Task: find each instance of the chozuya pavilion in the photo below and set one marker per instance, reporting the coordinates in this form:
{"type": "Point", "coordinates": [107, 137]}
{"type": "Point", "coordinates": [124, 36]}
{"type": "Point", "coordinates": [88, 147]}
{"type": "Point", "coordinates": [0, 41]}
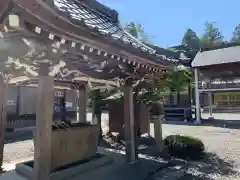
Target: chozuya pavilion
{"type": "Point", "coordinates": [74, 44]}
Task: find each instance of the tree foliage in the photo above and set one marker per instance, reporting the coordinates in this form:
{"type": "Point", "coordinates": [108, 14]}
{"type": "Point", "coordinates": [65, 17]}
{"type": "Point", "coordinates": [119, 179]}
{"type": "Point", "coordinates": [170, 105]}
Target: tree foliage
{"type": "Point", "coordinates": [178, 80]}
{"type": "Point", "coordinates": [190, 39]}
{"type": "Point", "coordinates": [150, 91]}
{"type": "Point", "coordinates": [236, 34]}
{"type": "Point", "coordinates": [212, 36]}
{"type": "Point", "coordinates": [137, 31]}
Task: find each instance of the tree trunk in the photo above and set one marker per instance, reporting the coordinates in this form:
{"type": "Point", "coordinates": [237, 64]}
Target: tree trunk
{"type": "Point", "coordinates": [96, 112]}
{"type": "Point", "coordinates": [97, 118]}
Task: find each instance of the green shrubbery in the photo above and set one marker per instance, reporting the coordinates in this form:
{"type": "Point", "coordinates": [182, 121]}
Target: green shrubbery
{"type": "Point", "coordinates": [184, 147]}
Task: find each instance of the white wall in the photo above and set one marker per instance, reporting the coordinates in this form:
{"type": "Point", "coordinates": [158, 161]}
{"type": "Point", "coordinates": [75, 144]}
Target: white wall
{"type": "Point", "coordinates": [28, 99]}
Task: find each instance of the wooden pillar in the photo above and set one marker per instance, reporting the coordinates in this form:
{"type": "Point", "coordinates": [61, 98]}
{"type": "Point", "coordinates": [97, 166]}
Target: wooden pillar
{"type": "Point", "coordinates": [18, 102]}
{"type": "Point", "coordinates": [94, 109]}
{"type": "Point", "coordinates": [210, 105]}
{"type": "Point", "coordinates": [44, 112]}
{"type": "Point", "coordinates": [82, 104]}
{"type": "Point", "coordinates": [190, 100]}
{"type": "Point", "coordinates": [63, 111]}
{"type": "Point", "coordinates": [136, 107]}
{"type": "Point", "coordinates": [197, 97]}
{"type": "Point", "coordinates": [130, 125]}
{"type": "Point", "coordinates": [3, 117]}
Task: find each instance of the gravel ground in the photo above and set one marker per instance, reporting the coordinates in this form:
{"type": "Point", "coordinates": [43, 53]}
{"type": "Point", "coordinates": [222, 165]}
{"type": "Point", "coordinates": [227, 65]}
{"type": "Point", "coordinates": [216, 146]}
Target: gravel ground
{"type": "Point", "coordinates": [222, 141]}
{"type": "Point", "coordinates": [222, 144]}
{"type": "Point", "coordinates": [17, 151]}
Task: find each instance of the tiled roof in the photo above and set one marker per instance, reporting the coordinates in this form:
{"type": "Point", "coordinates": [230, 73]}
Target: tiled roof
{"type": "Point", "coordinates": [82, 12]}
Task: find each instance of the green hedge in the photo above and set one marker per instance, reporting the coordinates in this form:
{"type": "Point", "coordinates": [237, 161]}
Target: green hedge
{"type": "Point", "coordinates": [184, 147]}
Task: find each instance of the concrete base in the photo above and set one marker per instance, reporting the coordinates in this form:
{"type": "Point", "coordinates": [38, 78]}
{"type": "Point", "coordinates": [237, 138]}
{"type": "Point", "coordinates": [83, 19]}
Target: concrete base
{"type": "Point", "coordinates": [104, 160]}
{"type": "Point", "coordinates": [118, 170]}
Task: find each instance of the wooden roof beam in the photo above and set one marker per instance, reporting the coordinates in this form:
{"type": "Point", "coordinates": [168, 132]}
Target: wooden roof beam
{"type": "Point", "coordinates": [47, 17]}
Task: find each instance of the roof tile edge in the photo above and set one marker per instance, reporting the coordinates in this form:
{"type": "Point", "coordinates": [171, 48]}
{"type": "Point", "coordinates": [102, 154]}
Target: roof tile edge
{"type": "Point", "coordinates": [109, 13]}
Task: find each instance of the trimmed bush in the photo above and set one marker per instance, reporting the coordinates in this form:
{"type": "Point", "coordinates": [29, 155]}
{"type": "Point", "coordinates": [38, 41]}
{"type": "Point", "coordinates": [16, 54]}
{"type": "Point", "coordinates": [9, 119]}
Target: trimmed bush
{"type": "Point", "coordinates": [184, 147]}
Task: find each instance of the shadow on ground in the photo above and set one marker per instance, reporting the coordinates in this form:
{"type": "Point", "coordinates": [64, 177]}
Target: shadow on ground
{"type": "Point", "coordinates": [213, 164]}
{"type": "Point", "coordinates": [230, 124]}
{"type": "Point", "coordinates": [12, 137]}
{"type": "Point", "coordinates": [210, 167]}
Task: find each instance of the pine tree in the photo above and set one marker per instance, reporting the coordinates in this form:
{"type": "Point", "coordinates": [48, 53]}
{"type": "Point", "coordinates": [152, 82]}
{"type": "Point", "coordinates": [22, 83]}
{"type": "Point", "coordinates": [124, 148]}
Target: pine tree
{"type": "Point", "coordinates": [212, 36]}
{"type": "Point", "coordinates": [236, 34]}
{"type": "Point", "coordinates": [191, 39]}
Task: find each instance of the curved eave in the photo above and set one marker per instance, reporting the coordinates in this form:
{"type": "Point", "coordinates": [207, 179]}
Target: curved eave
{"type": "Point", "coordinates": [66, 27]}
{"type": "Point", "coordinates": [76, 48]}
{"type": "Point", "coordinates": [46, 24]}
{"type": "Point", "coordinates": [96, 64]}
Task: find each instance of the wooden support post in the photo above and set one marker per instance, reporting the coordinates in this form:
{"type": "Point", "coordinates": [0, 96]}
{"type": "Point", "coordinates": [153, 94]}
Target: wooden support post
{"type": "Point", "coordinates": [44, 112]}
{"type": "Point", "coordinates": [197, 97]}
{"type": "Point", "coordinates": [130, 125]}
{"type": "Point", "coordinates": [210, 105]}
{"type": "Point", "coordinates": [82, 104]}
{"type": "Point", "coordinates": [190, 100]}
{"type": "Point", "coordinates": [18, 102]}
{"type": "Point", "coordinates": [3, 117]}
{"type": "Point", "coordinates": [94, 109]}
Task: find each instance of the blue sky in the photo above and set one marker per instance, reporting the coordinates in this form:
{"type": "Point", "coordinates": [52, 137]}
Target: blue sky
{"type": "Point", "coordinates": [166, 20]}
